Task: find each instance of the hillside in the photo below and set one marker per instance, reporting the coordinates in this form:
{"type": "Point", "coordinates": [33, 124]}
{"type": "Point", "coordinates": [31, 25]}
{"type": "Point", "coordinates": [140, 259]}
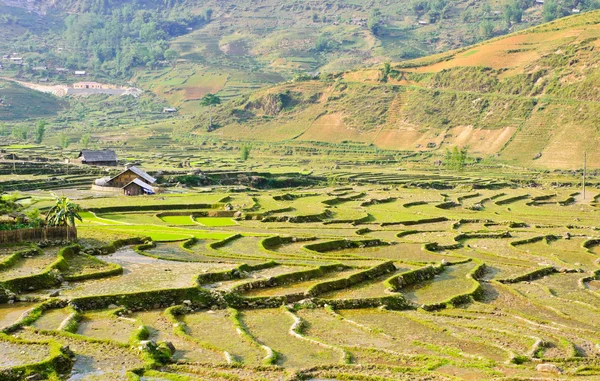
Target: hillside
{"type": "Point", "coordinates": [531, 98]}
{"type": "Point", "coordinates": [18, 102]}
{"type": "Point", "coordinates": [183, 49]}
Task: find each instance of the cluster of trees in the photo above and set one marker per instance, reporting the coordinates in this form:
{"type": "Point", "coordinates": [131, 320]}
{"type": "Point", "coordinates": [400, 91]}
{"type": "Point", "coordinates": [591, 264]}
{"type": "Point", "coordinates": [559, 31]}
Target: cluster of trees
{"type": "Point", "coordinates": [109, 37]}
{"type": "Point", "coordinates": [433, 10]}
{"type": "Point", "coordinates": [23, 133]}
{"type": "Point", "coordinates": [554, 9]}
{"type": "Point", "coordinates": [118, 40]}
{"type": "Point", "coordinates": [324, 43]}
{"type": "Point", "coordinates": [37, 134]}
{"type": "Point", "coordinates": [64, 212]}
{"type": "Point", "coordinates": [456, 158]}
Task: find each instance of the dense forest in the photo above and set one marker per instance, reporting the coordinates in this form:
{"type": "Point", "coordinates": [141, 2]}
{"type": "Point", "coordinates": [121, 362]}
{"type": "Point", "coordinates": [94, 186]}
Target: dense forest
{"type": "Point", "coordinates": [110, 37]}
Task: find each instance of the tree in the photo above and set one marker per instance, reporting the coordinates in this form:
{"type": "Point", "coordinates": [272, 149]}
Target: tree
{"type": "Point", "coordinates": [373, 23]}
{"type": "Point", "coordinates": [210, 100]}
{"type": "Point", "coordinates": [34, 218]}
{"type": "Point", "coordinates": [19, 133]}
{"type": "Point", "coordinates": [550, 11]}
{"type": "Point", "coordinates": [85, 140]}
{"type": "Point", "coordinates": [385, 71]}
{"type": "Point", "coordinates": [64, 140]}
{"type": "Point", "coordinates": [245, 150]}
{"type": "Point", "coordinates": [456, 159]}
{"type": "Point", "coordinates": [40, 130]}
{"type": "Point", "coordinates": [508, 15]}
{"type": "Point", "coordinates": [208, 14]}
{"type": "Point", "coordinates": [323, 43]}
{"type": "Point", "coordinates": [486, 29]}
{"type": "Point", "coordinates": [63, 213]}
{"type": "Point", "coordinates": [171, 55]}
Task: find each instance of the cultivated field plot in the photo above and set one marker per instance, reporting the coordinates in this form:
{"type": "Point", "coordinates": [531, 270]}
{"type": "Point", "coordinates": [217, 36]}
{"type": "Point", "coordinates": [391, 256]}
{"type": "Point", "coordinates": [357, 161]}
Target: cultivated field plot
{"type": "Point", "coordinates": [350, 283]}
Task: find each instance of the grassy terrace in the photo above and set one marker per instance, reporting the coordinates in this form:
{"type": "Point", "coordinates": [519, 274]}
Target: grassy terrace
{"type": "Point", "coordinates": [433, 284]}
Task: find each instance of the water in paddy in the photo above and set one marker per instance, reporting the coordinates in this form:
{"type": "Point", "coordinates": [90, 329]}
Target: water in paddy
{"type": "Point", "coordinates": [295, 249]}
{"type": "Point", "coordinates": [15, 354]}
{"type": "Point", "coordinates": [51, 319]}
{"type": "Point", "coordinates": [30, 266]}
{"type": "Point", "coordinates": [202, 327]}
{"type": "Point", "coordinates": [10, 313]}
{"type": "Point", "coordinates": [141, 273]}
{"type": "Point", "coordinates": [409, 252]}
{"type": "Point", "coordinates": [541, 252]}
{"type": "Point", "coordinates": [572, 252]}
{"type": "Point", "coordinates": [298, 287]}
{"type": "Point", "coordinates": [172, 251]}
{"type": "Point", "coordinates": [255, 275]}
{"type": "Point", "coordinates": [161, 329]}
{"type": "Point", "coordinates": [270, 327]}
{"type": "Point", "coordinates": [245, 247]}
{"type": "Point", "coordinates": [370, 289]}
{"type": "Point", "coordinates": [103, 325]}
{"type": "Point", "coordinates": [384, 235]}
{"type": "Point", "coordinates": [93, 361]}
{"type": "Point", "coordinates": [441, 237]}
{"type": "Point", "coordinates": [451, 282]}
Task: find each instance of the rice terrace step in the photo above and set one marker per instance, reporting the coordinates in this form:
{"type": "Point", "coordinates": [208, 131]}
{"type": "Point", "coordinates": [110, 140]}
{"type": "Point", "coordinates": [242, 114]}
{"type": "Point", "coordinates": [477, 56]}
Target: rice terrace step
{"type": "Point", "coordinates": [299, 190]}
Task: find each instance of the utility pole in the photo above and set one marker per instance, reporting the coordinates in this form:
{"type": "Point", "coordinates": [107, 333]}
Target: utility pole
{"type": "Point", "coordinates": [584, 172]}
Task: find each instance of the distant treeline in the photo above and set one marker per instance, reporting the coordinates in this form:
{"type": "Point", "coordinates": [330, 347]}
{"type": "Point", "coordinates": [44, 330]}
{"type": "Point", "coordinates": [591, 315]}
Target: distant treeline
{"type": "Point", "coordinates": [112, 37]}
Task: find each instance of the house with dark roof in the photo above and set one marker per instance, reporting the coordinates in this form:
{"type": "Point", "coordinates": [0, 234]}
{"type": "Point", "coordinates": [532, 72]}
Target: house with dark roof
{"type": "Point", "coordinates": [103, 157]}
{"type": "Point", "coordinates": [137, 187]}
{"type": "Point", "coordinates": [128, 176]}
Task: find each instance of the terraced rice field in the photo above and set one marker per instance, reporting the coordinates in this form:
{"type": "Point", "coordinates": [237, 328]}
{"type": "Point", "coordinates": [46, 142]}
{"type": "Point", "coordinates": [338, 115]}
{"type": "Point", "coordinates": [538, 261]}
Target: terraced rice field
{"type": "Point", "coordinates": [303, 287]}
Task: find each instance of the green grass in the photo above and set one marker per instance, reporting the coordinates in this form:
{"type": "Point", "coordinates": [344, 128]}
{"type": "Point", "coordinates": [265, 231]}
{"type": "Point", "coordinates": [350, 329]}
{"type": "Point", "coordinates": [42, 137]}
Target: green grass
{"type": "Point", "coordinates": [215, 221]}
{"type": "Point", "coordinates": [178, 220]}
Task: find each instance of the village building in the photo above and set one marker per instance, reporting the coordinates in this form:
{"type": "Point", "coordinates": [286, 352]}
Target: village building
{"type": "Point", "coordinates": [88, 85]}
{"type": "Point", "coordinates": [169, 109]}
{"type": "Point", "coordinates": [137, 187]}
{"type": "Point", "coordinates": [130, 182]}
{"type": "Point", "coordinates": [128, 176]}
{"type": "Point", "coordinates": [80, 72]}
{"type": "Point", "coordinates": [102, 157]}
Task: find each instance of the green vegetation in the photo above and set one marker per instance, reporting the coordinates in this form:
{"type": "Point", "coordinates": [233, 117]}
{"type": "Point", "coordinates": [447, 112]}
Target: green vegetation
{"type": "Point", "coordinates": [355, 226]}
{"type": "Point", "coordinates": [63, 213]}
{"type": "Point", "coordinates": [451, 280]}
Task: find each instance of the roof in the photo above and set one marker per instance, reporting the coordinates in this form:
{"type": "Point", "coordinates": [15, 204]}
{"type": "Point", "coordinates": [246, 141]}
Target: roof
{"type": "Point", "coordinates": [149, 179]}
{"type": "Point", "coordinates": [92, 156]}
{"type": "Point", "coordinates": [141, 184]}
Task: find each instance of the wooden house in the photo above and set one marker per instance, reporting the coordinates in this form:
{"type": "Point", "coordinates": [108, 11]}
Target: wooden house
{"type": "Point", "coordinates": [102, 157]}
{"type": "Point", "coordinates": [137, 187]}
{"type": "Point", "coordinates": [128, 176]}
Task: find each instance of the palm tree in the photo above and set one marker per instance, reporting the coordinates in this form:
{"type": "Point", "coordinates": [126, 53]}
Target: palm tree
{"type": "Point", "coordinates": [210, 100]}
{"type": "Point", "coordinates": [63, 213]}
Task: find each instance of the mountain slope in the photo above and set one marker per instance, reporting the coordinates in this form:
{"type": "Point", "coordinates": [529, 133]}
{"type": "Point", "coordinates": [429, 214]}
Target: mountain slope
{"type": "Point", "coordinates": [19, 103]}
{"type": "Point", "coordinates": [530, 98]}
{"type": "Point", "coordinates": [115, 40]}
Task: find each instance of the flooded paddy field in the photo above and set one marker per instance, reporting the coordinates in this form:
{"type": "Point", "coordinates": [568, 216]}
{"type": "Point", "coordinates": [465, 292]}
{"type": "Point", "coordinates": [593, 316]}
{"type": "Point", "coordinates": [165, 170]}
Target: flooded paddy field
{"type": "Point", "coordinates": [360, 282]}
